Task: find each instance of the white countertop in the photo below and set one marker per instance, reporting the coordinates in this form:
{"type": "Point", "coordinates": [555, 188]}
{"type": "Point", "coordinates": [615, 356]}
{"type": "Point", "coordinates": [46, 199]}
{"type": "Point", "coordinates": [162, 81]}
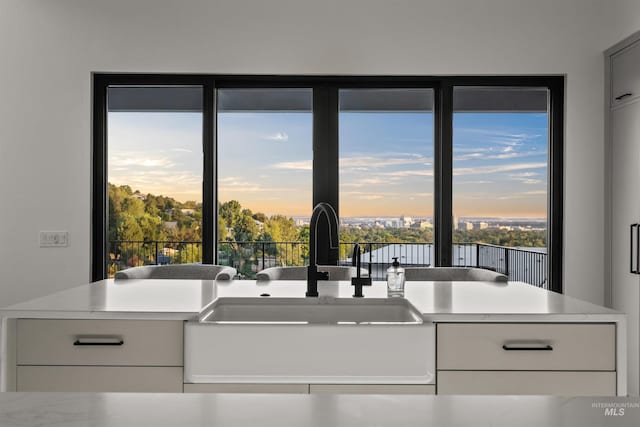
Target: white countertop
{"type": "Point", "coordinates": [184, 299]}
{"type": "Point", "coordinates": [283, 410]}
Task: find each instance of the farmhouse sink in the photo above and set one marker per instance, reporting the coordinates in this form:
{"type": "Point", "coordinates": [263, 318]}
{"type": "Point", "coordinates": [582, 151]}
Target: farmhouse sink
{"type": "Point", "coordinates": [311, 341]}
{"type": "Point", "coordinates": [324, 310]}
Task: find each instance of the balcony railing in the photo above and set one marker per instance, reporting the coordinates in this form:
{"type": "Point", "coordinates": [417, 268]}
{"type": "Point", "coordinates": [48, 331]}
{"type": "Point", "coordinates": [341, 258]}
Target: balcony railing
{"type": "Point", "coordinates": [520, 264]}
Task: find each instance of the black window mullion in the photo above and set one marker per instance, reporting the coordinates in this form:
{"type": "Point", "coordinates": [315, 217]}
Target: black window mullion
{"type": "Point", "coordinates": [100, 219]}
{"type": "Point", "coordinates": [443, 172]}
{"type": "Point", "coordinates": [210, 181]}
{"type": "Point", "coordinates": [555, 208]}
{"type": "Point", "coordinates": [325, 162]}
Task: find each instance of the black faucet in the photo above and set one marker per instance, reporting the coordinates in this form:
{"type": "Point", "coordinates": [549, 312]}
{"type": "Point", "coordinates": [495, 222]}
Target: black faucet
{"type": "Point", "coordinates": [358, 281]}
{"type": "Point", "coordinates": [326, 210]}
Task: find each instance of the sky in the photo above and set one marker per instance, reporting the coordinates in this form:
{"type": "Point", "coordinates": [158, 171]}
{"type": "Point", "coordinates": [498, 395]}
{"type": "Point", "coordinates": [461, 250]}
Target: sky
{"type": "Point", "coordinates": [386, 161]}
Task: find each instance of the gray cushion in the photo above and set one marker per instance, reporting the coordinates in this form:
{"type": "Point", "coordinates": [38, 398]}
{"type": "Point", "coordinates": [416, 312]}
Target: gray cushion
{"type": "Point", "coordinates": [178, 271]}
{"type": "Point", "coordinates": [336, 272]}
{"type": "Point", "coordinates": [453, 274]}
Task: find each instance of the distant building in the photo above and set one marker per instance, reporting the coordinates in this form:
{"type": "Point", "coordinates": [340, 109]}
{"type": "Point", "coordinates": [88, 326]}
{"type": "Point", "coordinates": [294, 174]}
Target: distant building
{"type": "Point", "coordinates": [466, 225]}
{"type": "Point", "coordinates": [171, 225]}
{"type": "Point", "coordinates": [425, 225]}
{"type": "Point", "coordinates": [483, 225]}
{"type": "Point", "coordinates": [455, 222]}
{"type": "Point", "coordinates": [406, 221]}
{"type": "Point", "coordinates": [188, 211]}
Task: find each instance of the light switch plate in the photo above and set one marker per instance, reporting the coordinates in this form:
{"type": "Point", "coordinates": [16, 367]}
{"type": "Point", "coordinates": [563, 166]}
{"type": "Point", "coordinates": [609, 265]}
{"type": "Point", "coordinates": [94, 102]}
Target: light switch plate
{"type": "Point", "coordinates": [54, 239]}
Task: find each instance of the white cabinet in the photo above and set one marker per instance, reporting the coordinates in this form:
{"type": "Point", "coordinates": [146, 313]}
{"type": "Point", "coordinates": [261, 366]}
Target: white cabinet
{"type": "Point", "coordinates": [526, 358]}
{"type": "Point", "coordinates": [99, 342]}
{"type": "Point", "coordinates": [372, 389]}
{"type": "Point", "coordinates": [562, 383]}
{"type": "Point", "coordinates": [625, 75]}
{"type": "Point", "coordinates": [137, 379]}
{"type": "Point", "coordinates": [624, 167]}
{"type": "Point", "coordinates": [246, 388]}
{"type": "Point", "coordinates": [99, 355]}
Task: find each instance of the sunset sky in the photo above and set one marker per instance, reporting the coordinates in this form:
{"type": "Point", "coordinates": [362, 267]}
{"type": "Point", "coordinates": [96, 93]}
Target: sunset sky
{"type": "Point", "coordinates": [386, 161]}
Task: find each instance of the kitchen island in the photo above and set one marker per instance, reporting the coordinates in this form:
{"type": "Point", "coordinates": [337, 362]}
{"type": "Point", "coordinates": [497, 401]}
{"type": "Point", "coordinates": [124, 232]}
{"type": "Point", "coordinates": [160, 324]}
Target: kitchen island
{"type": "Point", "coordinates": [481, 329]}
{"type": "Point", "coordinates": [231, 410]}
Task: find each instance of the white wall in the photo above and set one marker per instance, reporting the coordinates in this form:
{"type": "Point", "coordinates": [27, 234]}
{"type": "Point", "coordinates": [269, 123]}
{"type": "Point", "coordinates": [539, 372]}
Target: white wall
{"type": "Point", "coordinates": [48, 50]}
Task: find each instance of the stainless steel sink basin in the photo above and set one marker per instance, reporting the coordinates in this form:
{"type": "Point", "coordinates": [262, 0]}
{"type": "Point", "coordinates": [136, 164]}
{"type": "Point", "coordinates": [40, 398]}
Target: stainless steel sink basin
{"type": "Point", "coordinates": [324, 310]}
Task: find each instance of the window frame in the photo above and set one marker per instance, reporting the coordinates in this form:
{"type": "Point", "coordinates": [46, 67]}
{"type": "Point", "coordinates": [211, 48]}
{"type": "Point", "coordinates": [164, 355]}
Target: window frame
{"type": "Point", "coordinates": [325, 149]}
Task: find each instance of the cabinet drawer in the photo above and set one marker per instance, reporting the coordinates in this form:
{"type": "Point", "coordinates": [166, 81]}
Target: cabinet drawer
{"type": "Point", "coordinates": [527, 382]}
{"type": "Point", "coordinates": [97, 342]}
{"type": "Point", "coordinates": [624, 75]}
{"type": "Point", "coordinates": [246, 388]}
{"type": "Point", "coordinates": [99, 379]}
{"type": "Point", "coordinates": [526, 346]}
{"type": "Point", "coordinates": [372, 389]}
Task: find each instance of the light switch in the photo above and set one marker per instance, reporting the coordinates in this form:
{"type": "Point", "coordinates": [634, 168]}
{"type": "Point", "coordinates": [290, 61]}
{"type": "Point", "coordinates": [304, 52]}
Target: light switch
{"type": "Point", "coordinates": [54, 239]}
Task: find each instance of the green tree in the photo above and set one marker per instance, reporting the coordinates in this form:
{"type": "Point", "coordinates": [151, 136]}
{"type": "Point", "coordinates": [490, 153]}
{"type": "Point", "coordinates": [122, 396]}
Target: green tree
{"type": "Point", "coordinates": [230, 212]}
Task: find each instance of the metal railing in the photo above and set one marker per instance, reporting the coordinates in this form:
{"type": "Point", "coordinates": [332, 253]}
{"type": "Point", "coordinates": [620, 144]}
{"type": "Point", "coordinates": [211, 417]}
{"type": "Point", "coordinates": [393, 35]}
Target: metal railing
{"type": "Point", "coordinates": [520, 264]}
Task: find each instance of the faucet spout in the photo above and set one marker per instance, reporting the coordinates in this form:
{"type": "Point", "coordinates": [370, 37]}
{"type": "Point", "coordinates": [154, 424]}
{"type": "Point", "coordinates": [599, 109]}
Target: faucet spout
{"type": "Point", "coordinates": [355, 258]}
{"type": "Point", "coordinates": [321, 210]}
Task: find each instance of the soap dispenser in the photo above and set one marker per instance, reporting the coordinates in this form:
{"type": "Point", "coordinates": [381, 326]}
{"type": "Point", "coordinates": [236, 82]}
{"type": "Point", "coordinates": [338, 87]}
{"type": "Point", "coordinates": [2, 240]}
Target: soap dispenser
{"type": "Point", "coordinates": [395, 279]}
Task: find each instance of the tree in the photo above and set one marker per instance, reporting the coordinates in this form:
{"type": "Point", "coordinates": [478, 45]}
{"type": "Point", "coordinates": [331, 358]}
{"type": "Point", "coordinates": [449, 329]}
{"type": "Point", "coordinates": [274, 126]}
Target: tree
{"type": "Point", "coordinates": [128, 228]}
{"type": "Point", "coordinates": [230, 212]}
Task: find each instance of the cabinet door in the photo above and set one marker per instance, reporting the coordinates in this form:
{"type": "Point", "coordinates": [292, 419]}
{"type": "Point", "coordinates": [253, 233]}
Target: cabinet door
{"type": "Point", "coordinates": [625, 66]}
{"type": "Point", "coordinates": [136, 379]}
{"type": "Point", "coordinates": [246, 388]}
{"type": "Point", "coordinates": [99, 342]}
{"type": "Point", "coordinates": [527, 382]}
{"type": "Point", "coordinates": [527, 346]}
{"type": "Point", "coordinates": [625, 183]}
{"type": "Point", "coordinates": [372, 389]}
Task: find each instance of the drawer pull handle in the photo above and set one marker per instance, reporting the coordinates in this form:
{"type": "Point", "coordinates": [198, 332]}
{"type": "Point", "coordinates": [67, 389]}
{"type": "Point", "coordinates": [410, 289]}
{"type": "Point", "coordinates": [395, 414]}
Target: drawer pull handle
{"type": "Point", "coordinates": [529, 347]}
{"type": "Point", "coordinates": [624, 95]}
{"type": "Point", "coordinates": [98, 341]}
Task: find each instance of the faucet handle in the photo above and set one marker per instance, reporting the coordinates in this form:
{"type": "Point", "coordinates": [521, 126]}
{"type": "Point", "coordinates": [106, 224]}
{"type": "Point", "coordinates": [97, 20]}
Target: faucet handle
{"type": "Point", "coordinates": [359, 282]}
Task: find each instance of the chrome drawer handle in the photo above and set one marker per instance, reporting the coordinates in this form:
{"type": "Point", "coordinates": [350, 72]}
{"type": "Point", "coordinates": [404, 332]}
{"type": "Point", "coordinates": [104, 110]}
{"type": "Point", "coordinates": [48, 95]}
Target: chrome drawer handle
{"type": "Point", "coordinates": [527, 347]}
{"type": "Point", "coordinates": [98, 341]}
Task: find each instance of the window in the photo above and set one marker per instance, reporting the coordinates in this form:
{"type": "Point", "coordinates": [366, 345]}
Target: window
{"type": "Point", "coordinates": [438, 171]}
{"type": "Point", "coordinates": [386, 175]}
{"type": "Point", "coordinates": [500, 180]}
{"type": "Point", "coordinates": [264, 177]}
{"type": "Point", "coordinates": [154, 175]}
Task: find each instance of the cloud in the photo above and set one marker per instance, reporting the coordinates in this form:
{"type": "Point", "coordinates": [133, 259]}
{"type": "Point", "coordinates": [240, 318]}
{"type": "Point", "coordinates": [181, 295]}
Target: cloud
{"type": "Point", "coordinates": [278, 136]}
{"type": "Point", "coordinates": [501, 136]}
{"type": "Point", "coordinates": [361, 163]}
{"type": "Point", "coordinates": [406, 173]}
{"type": "Point", "coordinates": [364, 182]}
{"type": "Point", "coordinates": [506, 153]}
{"type": "Point", "coordinates": [237, 184]}
{"type": "Point", "coordinates": [126, 160]}
{"type": "Point", "coordinates": [495, 169]}
{"type": "Point", "coordinates": [181, 150]}
{"type": "Point", "coordinates": [473, 182]}
{"type": "Point", "coordinates": [384, 160]}
{"type": "Point", "coordinates": [303, 165]}
{"type": "Point", "coordinates": [526, 178]}
{"type": "Point", "coordinates": [524, 174]}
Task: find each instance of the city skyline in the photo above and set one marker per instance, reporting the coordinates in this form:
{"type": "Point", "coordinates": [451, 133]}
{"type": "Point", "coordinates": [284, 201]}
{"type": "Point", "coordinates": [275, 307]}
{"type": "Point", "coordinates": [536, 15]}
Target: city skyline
{"type": "Point", "coordinates": [386, 161]}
